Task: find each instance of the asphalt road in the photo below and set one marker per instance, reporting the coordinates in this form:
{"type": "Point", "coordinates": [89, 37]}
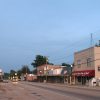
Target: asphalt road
{"type": "Point", "coordinates": [41, 91]}
{"type": "Point", "coordinates": [76, 93]}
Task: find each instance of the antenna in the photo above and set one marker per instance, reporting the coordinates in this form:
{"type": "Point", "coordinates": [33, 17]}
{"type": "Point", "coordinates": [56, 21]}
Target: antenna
{"type": "Point", "coordinates": [91, 42]}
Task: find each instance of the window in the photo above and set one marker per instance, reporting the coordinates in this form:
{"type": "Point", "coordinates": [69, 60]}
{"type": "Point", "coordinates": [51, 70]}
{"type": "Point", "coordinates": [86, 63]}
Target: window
{"type": "Point", "coordinates": [99, 68]}
{"type": "Point", "coordinates": [89, 60]}
{"type": "Point", "coordinates": [79, 63]}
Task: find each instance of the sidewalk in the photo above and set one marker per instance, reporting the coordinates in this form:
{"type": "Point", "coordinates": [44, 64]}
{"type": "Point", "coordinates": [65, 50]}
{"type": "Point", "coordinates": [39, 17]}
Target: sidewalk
{"type": "Point", "coordinates": [76, 86]}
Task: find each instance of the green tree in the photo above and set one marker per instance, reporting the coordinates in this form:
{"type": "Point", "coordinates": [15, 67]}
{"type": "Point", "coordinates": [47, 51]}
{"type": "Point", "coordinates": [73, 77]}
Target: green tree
{"type": "Point", "coordinates": [12, 72]}
{"type": "Point", "coordinates": [34, 71]}
{"type": "Point", "coordinates": [6, 75]}
{"type": "Point", "coordinates": [25, 69]}
{"type": "Point", "coordinates": [39, 60]}
{"type": "Point", "coordinates": [19, 72]}
{"type": "Point", "coordinates": [65, 64]}
{"type": "Point", "coordinates": [68, 67]}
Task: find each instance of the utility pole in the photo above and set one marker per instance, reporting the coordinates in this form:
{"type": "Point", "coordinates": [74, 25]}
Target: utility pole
{"type": "Point", "coordinates": [26, 72]}
{"type": "Point", "coordinates": [46, 69]}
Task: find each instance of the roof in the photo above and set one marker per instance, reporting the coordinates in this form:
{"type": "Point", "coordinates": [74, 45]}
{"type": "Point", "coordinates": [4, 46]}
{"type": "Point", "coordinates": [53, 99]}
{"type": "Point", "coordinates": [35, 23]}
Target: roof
{"type": "Point", "coordinates": [52, 65]}
{"type": "Point", "coordinates": [84, 50]}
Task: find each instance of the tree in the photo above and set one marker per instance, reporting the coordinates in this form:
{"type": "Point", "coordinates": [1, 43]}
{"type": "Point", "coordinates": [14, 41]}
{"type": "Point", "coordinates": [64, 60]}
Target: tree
{"type": "Point", "coordinates": [39, 60]}
{"type": "Point", "coordinates": [35, 71]}
{"type": "Point", "coordinates": [19, 72]}
{"type": "Point", "coordinates": [25, 69]}
{"type": "Point", "coordinates": [68, 67]}
{"type": "Point", "coordinates": [12, 72]}
{"type": "Point", "coordinates": [6, 75]}
{"type": "Point", "coordinates": [65, 64]}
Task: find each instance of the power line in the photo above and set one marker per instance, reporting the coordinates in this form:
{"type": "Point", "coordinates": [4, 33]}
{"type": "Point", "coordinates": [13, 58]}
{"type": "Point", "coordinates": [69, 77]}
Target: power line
{"type": "Point", "coordinates": [73, 46]}
{"type": "Point", "coordinates": [64, 57]}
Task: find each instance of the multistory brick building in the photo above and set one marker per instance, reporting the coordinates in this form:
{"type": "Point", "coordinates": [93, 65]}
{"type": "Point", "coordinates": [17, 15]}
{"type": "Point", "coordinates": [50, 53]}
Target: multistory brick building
{"type": "Point", "coordinates": [86, 65]}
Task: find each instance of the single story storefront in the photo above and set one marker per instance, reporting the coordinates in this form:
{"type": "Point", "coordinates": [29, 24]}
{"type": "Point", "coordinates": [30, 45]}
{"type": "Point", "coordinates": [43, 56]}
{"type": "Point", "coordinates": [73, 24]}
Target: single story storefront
{"type": "Point", "coordinates": [82, 77]}
{"type": "Point", "coordinates": [54, 78]}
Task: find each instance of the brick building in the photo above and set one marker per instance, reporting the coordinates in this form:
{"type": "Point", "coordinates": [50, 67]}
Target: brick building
{"type": "Point", "coordinates": [86, 65]}
{"type": "Point", "coordinates": [52, 73]}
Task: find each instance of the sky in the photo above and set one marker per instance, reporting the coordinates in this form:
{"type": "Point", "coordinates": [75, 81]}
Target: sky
{"type": "Point", "coordinates": [52, 28]}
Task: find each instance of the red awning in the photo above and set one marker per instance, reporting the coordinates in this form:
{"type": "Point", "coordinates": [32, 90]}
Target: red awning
{"type": "Point", "coordinates": [84, 73]}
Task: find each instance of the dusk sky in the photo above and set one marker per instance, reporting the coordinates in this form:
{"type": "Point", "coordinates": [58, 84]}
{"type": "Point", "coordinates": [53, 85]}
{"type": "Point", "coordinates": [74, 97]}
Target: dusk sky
{"type": "Point", "coordinates": [53, 28]}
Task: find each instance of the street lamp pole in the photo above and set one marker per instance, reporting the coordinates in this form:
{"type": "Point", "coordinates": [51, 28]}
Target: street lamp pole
{"type": "Point", "coordinates": [71, 76]}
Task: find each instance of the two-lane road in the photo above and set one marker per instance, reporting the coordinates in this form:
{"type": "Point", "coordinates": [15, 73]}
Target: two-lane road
{"type": "Point", "coordinates": [73, 93]}
{"type": "Point", "coordinates": [41, 91]}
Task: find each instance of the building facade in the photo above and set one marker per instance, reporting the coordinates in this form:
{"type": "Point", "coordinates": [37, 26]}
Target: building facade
{"type": "Point", "coordinates": [31, 77]}
{"type": "Point", "coordinates": [1, 75]}
{"type": "Point", "coordinates": [86, 65]}
{"type": "Point", "coordinates": [52, 73]}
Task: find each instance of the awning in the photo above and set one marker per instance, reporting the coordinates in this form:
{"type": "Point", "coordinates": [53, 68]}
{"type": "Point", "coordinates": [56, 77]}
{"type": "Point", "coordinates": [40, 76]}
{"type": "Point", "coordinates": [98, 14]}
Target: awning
{"type": "Point", "coordinates": [84, 73]}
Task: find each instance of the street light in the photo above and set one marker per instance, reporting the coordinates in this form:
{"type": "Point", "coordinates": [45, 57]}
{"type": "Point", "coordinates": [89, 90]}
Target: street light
{"type": "Point", "coordinates": [15, 74]}
{"type": "Point", "coordinates": [71, 75]}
